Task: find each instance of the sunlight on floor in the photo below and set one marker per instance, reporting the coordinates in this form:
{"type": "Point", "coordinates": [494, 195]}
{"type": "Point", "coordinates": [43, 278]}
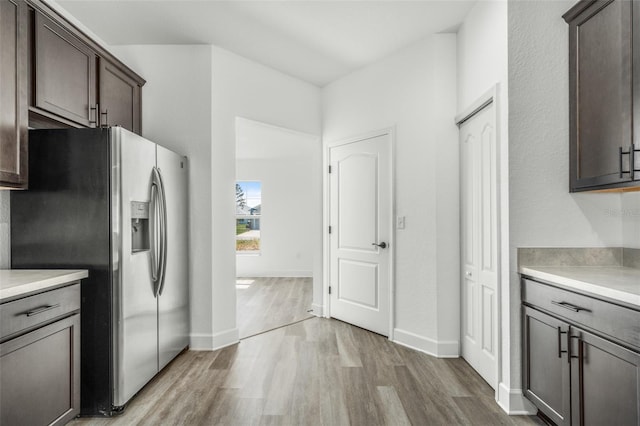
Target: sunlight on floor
{"type": "Point", "coordinates": [243, 284]}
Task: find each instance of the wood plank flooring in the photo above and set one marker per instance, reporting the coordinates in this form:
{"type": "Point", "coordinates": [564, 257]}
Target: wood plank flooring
{"type": "Point", "coordinates": [267, 303]}
{"type": "Point", "coordinates": [315, 372]}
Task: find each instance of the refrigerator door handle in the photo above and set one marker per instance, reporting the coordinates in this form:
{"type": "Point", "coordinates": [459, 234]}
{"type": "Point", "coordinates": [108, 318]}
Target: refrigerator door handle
{"type": "Point", "coordinates": [163, 233]}
{"type": "Point", "coordinates": [156, 226]}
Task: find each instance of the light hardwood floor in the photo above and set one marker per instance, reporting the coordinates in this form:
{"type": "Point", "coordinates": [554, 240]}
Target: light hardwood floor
{"type": "Point", "coordinates": [267, 303]}
{"type": "Point", "coordinates": [315, 372]}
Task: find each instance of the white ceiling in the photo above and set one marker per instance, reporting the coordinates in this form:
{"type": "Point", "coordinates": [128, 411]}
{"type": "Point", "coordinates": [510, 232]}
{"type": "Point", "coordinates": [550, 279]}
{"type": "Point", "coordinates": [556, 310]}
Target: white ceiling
{"type": "Point", "coordinates": [315, 40]}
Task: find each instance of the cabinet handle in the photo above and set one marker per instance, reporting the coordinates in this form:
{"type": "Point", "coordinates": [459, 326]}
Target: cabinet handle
{"type": "Point", "coordinates": [631, 153]}
{"type": "Point", "coordinates": [41, 310]}
{"type": "Point", "coordinates": [569, 306]}
{"type": "Point", "coordinates": [95, 110]}
{"type": "Point", "coordinates": [106, 118]}
{"type": "Point", "coordinates": [560, 351]}
{"type": "Point", "coordinates": [632, 161]}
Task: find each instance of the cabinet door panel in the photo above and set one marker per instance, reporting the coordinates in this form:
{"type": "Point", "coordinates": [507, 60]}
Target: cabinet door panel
{"type": "Point", "coordinates": [545, 365]}
{"type": "Point", "coordinates": [605, 382]}
{"type": "Point", "coordinates": [39, 375]}
{"type": "Point", "coordinates": [601, 93]}
{"type": "Point", "coordinates": [13, 94]}
{"type": "Point", "coordinates": [119, 98]}
{"type": "Point", "coordinates": [65, 71]}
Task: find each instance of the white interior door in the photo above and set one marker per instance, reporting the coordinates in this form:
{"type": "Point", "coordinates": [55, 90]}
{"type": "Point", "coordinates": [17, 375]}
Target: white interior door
{"type": "Point", "coordinates": [479, 234]}
{"type": "Point", "coordinates": [361, 228]}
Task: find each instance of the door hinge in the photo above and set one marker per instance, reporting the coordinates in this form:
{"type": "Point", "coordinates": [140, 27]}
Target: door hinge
{"type": "Point", "coordinates": [329, 168]}
{"type": "Point", "coordinates": [329, 289]}
{"type": "Point", "coordinates": [329, 229]}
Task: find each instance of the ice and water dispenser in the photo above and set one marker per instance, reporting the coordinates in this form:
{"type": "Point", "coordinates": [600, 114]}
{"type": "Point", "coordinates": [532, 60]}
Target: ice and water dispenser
{"type": "Point", "coordinates": [139, 226]}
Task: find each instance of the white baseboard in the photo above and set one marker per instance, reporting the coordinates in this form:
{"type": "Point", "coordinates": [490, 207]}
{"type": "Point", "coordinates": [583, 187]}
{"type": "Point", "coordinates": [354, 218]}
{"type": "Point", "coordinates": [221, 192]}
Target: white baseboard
{"type": "Point", "coordinates": [275, 274]}
{"type": "Point", "coordinates": [213, 342]}
{"type": "Point", "coordinates": [444, 349]}
{"type": "Point", "coordinates": [514, 403]}
{"type": "Point", "coordinates": [318, 310]}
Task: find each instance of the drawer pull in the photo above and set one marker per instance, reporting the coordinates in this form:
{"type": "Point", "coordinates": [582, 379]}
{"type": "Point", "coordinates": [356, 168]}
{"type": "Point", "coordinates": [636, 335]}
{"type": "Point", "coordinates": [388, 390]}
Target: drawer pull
{"type": "Point", "coordinates": [569, 306]}
{"type": "Point", "coordinates": [41, 310]}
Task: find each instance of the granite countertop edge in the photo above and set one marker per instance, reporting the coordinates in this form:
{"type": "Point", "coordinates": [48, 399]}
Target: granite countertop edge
{"type": "Point", "coordinates": [616, 283]}
{"type": "Point", "coordinates": [18, 283]}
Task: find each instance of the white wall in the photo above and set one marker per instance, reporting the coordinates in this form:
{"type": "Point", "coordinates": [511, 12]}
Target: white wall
{"type": "Point", "coordinates": [242, 88]}
{"type": "Point", "coordinates": [483, 63]}
{"type": "Point", "coordinates": [286, 248]}
{"type": "Point", "coordinates": [543, 212]}
{"type": "Point", "coordinates": [176, 113]}
{"type": "Point", "coordinates": [414, 91]}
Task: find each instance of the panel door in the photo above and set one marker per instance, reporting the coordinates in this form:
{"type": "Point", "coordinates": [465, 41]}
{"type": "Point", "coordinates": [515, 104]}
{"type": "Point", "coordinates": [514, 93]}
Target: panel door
{"type": "Point", "coordinates": [479, 239]}
{"type": "Point", "coordinates": [65, 70]}
{"type": "Point", "coordinates": [40, 375]}
{"type": "Point", "coordinates": [173, 301]}
{"type": "Point", "coordinates": [605, 382]}
{"type": "Point", "coordinates": [13, 94]}
{"type": "Point", "coordinates": [601, 94]}
{"type": "Point", "coordinates": [545, 365]}
{"type": "Point", "coordinates": [119, 98]}
{"type": "Point", "coordinates": [136, 343]}
{"type": "Point", "coordinates": [361, 215]}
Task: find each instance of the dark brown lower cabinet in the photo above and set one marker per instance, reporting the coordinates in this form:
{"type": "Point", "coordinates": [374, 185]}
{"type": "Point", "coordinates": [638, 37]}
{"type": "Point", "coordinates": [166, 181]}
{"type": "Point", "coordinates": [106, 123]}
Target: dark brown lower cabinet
{"type": "Point", "coordinates": [605, 381]}
{"type": "Point", "coordinates": [547, 370]}
{"type": "Point", "coordinates": [40, 358]}
{"type": "Point", "coordinates": [37, 374]}
{"type": "Point", "coordinates": [577, 376]}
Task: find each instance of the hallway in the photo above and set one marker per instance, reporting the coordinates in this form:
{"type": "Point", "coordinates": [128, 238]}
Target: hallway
{"type": "Point", "coordinates": [267, 303]}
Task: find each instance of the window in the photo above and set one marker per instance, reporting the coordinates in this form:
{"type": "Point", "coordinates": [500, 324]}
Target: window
{"type": "Point", "coordinates": [248, 211]}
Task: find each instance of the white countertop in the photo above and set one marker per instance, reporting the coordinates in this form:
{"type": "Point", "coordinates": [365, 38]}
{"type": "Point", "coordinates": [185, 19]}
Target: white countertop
{"type": "Point", "coordinates": [16, 283]}
{"type": "Point", "coordinates": [617, 283]}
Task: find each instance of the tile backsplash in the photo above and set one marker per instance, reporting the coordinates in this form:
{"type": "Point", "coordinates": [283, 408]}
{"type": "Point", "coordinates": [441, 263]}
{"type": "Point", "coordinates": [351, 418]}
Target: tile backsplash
{"type": "Point", "coordinates": [579, 256]}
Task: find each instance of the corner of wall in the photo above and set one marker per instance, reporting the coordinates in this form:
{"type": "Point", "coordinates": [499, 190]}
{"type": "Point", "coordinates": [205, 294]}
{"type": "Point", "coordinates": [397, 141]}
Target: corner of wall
{"type": "Point", "coordinates": [513, 402]}
{"type": "Point", "coordinates": [439, 349]}
{"type": "Point", "coordinates": [213, 342]}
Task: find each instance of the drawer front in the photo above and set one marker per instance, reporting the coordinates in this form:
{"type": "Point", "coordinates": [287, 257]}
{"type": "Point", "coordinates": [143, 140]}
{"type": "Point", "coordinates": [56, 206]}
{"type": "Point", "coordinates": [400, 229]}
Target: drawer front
{"type": "Point", "coordinates": [25, 313]}
{"type": "Point", "coordinates": [616, 321]}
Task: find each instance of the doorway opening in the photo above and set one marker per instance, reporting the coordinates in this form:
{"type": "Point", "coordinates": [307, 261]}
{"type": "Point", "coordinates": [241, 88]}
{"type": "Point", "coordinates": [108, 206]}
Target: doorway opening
{"type": "Point", "coordinates": [278, 221]}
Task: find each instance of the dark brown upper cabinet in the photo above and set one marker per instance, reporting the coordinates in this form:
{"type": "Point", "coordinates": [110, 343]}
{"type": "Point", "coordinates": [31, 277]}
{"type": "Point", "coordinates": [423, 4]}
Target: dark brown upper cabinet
{"type": "Point", "coordinates": [604, 95]}
{"type": "Point", "coordinates": [13, 94]}
{"type": "Point", "coordinates": [119, 97]}
{"type": "Point", "coordinates": [74, 81]}
{"type": "Point", "coordinates": [65, 74]}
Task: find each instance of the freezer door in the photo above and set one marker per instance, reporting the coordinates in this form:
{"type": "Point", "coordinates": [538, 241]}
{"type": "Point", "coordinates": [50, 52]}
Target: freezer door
{"type": "Point", "coordinates": [173, 298]}
{"type": "Point", "coordinates": [135, 340]}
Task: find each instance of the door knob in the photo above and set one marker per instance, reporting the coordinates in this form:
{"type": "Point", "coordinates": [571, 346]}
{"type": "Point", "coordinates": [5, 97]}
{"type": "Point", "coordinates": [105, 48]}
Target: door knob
{"type": "Point", "coordinates": [468, 273]}
{"type": "Point", "coordinates": [381, 245]}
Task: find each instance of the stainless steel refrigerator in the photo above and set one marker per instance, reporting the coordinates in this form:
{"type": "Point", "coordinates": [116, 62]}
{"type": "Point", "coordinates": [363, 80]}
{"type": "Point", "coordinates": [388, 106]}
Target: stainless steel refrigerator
{"type": "Point", "coordinates": [112, 202]}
